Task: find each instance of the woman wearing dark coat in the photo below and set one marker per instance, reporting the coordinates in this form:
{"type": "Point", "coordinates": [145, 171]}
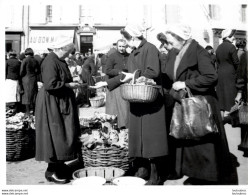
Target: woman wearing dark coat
{"type": "Point", "coordinates": [115, 104]}
{"type": "Point", "coordinates": [12, 76]}
{"type": "Point", "coordinates": [227, 60]}
{"type": "Point", "coordinates": [206, 161]}
{"type": "Point", "coordinates": [30, 69]}
{"type": "Point", "coordinates": [56, 116]}
{"type": "Point", "coordinates": [147, 124]}
{"type": "Point", "coordinates": [88, 71]}
{"type": "Point", "coordinates": [243, 94]}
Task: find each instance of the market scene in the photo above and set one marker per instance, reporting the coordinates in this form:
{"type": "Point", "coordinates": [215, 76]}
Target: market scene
{"type": "Point", "coordinates": [126, 94]}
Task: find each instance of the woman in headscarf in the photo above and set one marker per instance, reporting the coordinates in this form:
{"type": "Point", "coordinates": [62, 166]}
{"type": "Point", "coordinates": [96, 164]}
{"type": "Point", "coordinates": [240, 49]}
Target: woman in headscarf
{"type": "Point", "coordinates": [228, 61]}
{"type": "Point", "coordinates": [206, 161]}
{"type": "Point", "coordinates": [56, 116]}
{"type": "Point", "coordinates": [147, 125]}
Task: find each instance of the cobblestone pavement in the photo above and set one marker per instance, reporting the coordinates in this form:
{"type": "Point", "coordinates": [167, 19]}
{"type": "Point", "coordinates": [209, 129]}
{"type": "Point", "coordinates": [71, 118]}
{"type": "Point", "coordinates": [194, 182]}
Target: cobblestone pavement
{"type": "Point", "coordinates": [31, 172]}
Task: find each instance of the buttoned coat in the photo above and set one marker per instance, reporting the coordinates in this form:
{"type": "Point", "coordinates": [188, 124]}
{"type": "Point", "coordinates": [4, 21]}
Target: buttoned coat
{"type": "Point", "coordinates": [228, 61]}
{"type": "Point", "coordinates": [147, 121]}
{"type": "Point", "coordinates": [56, 116]}
{"type": "Point", "coordinates": [209, 158]}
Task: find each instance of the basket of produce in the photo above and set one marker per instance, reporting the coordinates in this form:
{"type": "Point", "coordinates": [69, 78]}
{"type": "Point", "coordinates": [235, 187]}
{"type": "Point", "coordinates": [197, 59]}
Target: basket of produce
{"type": "Point", "coordinates": [142, 90]}
{"type": "Point", "coordinates": [20, 137]}
{"type": "Point", "coordinates": [97, 101]}
{"type": "Point", "coordinates": [139, 93]}
{"type": "Point", "coordinates": [103, 145]}
{"type": "Point", "coordinates": [108, 173]}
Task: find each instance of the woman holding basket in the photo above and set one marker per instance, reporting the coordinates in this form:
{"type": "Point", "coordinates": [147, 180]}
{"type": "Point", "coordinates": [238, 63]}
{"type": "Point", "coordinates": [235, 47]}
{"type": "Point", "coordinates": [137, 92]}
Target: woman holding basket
{"type": "Point", "coordinates": [147, 125]}
{"type": "Point", "coordinates": [205, 161]}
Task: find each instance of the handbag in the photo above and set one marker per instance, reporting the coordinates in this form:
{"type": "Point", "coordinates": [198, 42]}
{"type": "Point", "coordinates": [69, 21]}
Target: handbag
{"type": "Point", "coordinates": [239, 114]}
{"type": "Point", "coordinates": [192, 118]}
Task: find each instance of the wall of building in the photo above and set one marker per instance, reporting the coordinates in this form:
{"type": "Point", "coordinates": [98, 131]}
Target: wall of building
{"type": "Point", "coordinates": [153, 16]}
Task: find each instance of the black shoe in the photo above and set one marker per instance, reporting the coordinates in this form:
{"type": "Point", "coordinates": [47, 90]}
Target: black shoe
{"type": "Point", "coordinates": [154, 182]}
{"type": "Point", "coordinates": [194, 181]}
{"type": "Point", "coordinates": [142, 173]}
{"type": "Point", "coordinates": [173, 176]}
{"type": "Point", "coordinates": [52, 177]}
{"type": "Point", "coordinates": [66, 171]}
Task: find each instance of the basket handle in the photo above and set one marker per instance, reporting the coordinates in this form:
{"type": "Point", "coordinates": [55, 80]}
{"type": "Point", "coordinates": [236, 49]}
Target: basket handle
{"type": "Point", "coordinates": [135, 74]}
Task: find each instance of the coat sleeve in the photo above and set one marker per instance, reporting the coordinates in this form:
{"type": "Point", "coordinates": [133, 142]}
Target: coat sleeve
{"type": "Point", "coordinates": [110, 71]}
{"type": "Point", "coordinates": [23, 68]}
{"type": "Point", "coordinates": [234, 57]}
{"type": "Point", "coordinates": [51, 78]}
{"type": "Point", "coordinates": [6, 69]}
{"type": "Point", "coordinates": [242, 73]}
{"type": "Point", "coordinates": [207, 77]}
{"type": "Point", "coordinates": [114, 82]}
{"type": "Point", "coordinates": [152, 63]}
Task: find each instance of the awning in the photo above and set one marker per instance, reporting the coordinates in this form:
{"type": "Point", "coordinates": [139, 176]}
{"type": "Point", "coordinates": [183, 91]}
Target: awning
{"type": "Point", "coordinates": [40, 40]}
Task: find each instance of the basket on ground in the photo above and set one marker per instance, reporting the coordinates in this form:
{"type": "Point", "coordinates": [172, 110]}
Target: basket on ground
{"type": "Point", "coordinates": [139, 93]}
{"type": "Point", "coordinates": [20, 144]}
{"type": "Point", "coordinates": [109, 173]}
{"type": "Point", "coordinates": [97, 101]}
{"type": "Point", "coordinates": [106, 157]}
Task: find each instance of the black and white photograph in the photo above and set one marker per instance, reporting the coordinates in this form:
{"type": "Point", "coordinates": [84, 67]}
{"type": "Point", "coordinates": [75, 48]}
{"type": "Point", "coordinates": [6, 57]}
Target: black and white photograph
{"type": "Point", "coordinates": [124, 97]}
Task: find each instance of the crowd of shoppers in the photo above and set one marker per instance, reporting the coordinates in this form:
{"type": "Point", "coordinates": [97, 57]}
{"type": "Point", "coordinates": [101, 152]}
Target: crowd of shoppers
{"type": "Point", "coordinates": [180, 62]}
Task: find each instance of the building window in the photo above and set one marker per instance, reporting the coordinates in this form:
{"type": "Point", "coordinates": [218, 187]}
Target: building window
{"type": "Point", "coordinates": [243, 13]}
{"type": "Point", "coordinates": [214, 12]}
{"type": "Point", "coordinates": [85, 15]}
{"type": "Point", "coordinates": [49, 13]}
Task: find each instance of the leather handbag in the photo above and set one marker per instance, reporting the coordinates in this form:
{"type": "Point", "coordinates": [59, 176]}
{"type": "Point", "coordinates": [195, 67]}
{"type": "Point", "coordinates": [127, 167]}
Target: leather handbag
{"type": "Point", "coordinates": [239, 114]}
{"type": "Point", "coordinates": [192, 118]}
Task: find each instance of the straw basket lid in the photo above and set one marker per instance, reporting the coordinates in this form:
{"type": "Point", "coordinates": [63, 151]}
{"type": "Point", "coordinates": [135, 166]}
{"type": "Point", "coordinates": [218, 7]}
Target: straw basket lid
{"type": "Point", "coordinates": [108, 173]}
{"type": "Point", "coordinates": [91, 180]}
{"type": "Point", "coordinates": [127, 180]}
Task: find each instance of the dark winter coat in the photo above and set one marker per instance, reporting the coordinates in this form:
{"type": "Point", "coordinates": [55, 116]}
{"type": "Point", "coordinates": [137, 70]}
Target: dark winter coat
{"type": "Point", "coordinates": [88, 70]}
{"type": "Point", "coordinates": [207, 159]}
{"type": "Point", "coordinates": [12, 68]}
{"type": "Point", "coordinates": [147, 124]}
{"type": "Point", "coordinates": [30, 69]}
{"type": "Point", "coordinates": [227, 59]}
{"type": "Point", "coordinates": [115, 104]}
{"type": "Point", "coordinates": [116, 63]}
{"type": "Point", "coordinates": [56, 116]}
{"type": "Point", "coordinates": [242, 76]}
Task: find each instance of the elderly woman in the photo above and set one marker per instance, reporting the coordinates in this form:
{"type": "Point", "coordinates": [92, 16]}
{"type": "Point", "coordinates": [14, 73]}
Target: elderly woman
{"type": "Point", "coordinates": [56, 117]}
{"type": "Point", "coordinates": [206, 161]}
{"type": "Point", "coordinates": [228, 61]}
{"type": "Point", "coordinates": [147, 124]}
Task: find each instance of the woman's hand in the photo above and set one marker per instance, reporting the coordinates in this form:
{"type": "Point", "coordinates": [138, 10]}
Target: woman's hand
{"type": "Point", "coordinates": [128, 77]}
{"type": "Point", "coordinates": [238, 97]}
{"type": "Point", "coordinates": [178, 85]}
{"type": "Point", "coordinates": [99, 85]}
{"type": "Point", "coordinates": [73, 85]}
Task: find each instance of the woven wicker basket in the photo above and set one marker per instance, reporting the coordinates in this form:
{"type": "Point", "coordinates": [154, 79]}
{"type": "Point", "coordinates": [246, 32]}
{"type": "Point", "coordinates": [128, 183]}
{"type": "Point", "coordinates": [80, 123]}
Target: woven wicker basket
{"type": "Point", "coordinates": [106, 157]}
{"type": "Point", "coordinates": [20, 144]}
{"type": "Point", "coordinates": [139, 93]}
{"type": "Point", "coordinates": [109, 173]}
{"type": "Point", "coordinates": [97, 101]}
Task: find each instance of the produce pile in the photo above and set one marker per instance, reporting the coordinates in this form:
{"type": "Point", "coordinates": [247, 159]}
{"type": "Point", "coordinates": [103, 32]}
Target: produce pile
{"type": "Point", "coordinates": [20, 121]}
{"type": "Point", "coordinates": [101, 131]}
{"type": "Point", "coordinates": [145, 81]}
